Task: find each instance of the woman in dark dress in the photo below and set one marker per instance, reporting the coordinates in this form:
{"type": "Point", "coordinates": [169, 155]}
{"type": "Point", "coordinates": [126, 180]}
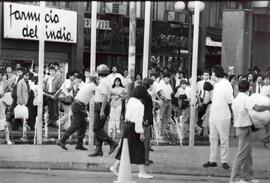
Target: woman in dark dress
{"type": "Point", "coordinates": [133, 132]}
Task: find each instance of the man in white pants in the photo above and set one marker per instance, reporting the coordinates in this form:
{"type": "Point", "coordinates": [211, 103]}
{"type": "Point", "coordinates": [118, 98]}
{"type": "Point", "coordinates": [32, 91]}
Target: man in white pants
{"type": "Point", "coordinates": [220, 118]}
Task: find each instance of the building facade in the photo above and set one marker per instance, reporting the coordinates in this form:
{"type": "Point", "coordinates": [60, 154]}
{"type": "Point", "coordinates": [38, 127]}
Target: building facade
{"type": "Point", "coordinates": [19, 47]}
{"type": "Point", "coordinates": [171, 35]}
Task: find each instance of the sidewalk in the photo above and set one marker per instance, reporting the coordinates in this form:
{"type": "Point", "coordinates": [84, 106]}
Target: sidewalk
{"type": "Point", "coordinates": [167, 159]}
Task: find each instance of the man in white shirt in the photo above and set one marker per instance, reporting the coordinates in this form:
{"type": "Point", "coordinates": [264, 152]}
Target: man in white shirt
{"type": "Point", "coordinates": [87, 75]}
{"type": "Point", "coordinates": [111, 77]}
{"type": "Point", "coordinates": [126, 79]}
{"type": "Point", "coordinates": [257, 86]}
{"type": "Point", "coordinates": [164, 93]}
{"type": "Point", "coordinates": [241, 106]}
{"type": "Point", "coordinates": [220, 118]}
{"type": "Point", "coordinates": [102, 110]}
{"type": "Point", "coordinates": [206, 77]}
{"type": "Point", "coordinates": [202, 93]}
{"type": "Point", "coordinates": [79, 115]}
{"type": "Point", "coordinates": [51, 86]}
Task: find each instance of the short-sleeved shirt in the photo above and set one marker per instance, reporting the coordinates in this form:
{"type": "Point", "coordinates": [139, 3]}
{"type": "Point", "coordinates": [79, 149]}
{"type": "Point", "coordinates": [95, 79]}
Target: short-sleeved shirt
{"type": "Point", "coordinates": [50, 84]}
{"type": "Point", "coordinates": [115, 96]}
{"type": "Point", "coordinates": [241, 106]}
{"type": "Point", "coordinates": [222, 97]}
{"type": "Point", "coordinates": [85, 93]}
{"type": "Point", "coordinates": [101, 89]}
{"type": "Point", "coordinates": [165, 89]}
{"type": "Point", "coordinates": [67, 84]}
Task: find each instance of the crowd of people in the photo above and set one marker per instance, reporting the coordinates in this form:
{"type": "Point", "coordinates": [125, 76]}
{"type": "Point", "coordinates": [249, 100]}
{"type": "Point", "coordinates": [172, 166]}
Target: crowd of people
{"type": "Point", "coordinates": [147, 106]}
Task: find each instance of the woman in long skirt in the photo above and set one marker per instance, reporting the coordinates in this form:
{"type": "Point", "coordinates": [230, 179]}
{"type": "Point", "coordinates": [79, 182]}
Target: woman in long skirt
{"type": "Point", "coordinates": [133, 131]}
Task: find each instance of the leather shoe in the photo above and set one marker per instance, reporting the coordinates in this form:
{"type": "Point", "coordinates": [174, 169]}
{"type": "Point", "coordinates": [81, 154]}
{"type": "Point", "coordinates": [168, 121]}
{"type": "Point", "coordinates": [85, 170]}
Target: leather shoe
{"type": "Point", "coordinates": [225, 166]}
{"type": "Point", "coordinates": [210, 164]}
{"type": "Point", "coordinates": [145, 176]}
{"type": "Point", "coordinates": [61, 144]}
{"type": "Point", "coordinates": [81, 148]}
{"type": "Point", "coordinates": [148, 162]}
{"type": "Point", "coordinates": [113, 147]}
{"type": "Point", "coordinates": [96, 153]}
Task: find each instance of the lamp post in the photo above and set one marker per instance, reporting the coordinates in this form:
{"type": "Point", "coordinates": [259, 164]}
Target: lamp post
{"type": "Point", "coordinates": [195, 6]}
{"type": "Point", "coordinates": [41, 53]}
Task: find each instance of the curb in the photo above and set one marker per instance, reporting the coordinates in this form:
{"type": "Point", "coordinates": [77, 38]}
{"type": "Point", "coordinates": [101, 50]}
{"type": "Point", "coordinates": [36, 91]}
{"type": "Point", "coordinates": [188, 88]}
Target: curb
{"type": "Point", "coordinates": [101, 167]}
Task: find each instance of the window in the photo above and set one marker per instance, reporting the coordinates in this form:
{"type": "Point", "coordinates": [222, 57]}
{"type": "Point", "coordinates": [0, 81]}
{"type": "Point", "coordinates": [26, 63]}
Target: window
{"type": "Point", "coordinates": [247, 22]}
{"type": "Point", "coordinates": [52, 3]}
{"type": "Point", "coordinates": [67, 4]}
{"type": "Point", "coordinates": [88, 6]}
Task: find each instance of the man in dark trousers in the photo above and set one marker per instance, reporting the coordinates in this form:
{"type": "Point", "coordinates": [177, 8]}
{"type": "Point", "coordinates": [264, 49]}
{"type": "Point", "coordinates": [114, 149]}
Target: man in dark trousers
{"type": "Point", "coordinates": [102, 110]}
{"type": "Point", "coordinates": [148, 118]}
{"type": "Point", "coordinates": [79, 115]}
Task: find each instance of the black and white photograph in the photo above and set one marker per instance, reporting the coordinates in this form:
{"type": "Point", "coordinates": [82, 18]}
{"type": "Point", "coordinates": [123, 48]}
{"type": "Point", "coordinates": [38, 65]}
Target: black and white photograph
{"type": "Point", "coordinates": [135, 91]}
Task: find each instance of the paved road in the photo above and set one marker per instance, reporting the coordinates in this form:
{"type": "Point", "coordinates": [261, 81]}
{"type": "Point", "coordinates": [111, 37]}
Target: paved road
{"type": "Point", "coordinates": [67, 176]}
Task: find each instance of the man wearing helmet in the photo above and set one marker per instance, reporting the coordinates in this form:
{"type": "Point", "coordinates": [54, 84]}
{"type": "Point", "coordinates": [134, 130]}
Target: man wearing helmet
{"type": "Point", "coordinates": [101, 113]}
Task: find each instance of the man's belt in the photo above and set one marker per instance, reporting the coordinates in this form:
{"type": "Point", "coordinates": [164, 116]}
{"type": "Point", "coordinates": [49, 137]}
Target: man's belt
{"type": "Point", "coordinates": [76, 100]}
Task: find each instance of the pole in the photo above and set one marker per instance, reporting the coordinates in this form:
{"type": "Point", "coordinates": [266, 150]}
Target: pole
{"type": "Point", "coordinates": [194, 73]}
{"type": "Point", "coordinates": [146, 45]}
{"type": "Point", "coordinates": [40, 72]}
{"type": "Point", "coordinates": [189, 40]}
{"type": "Point", "coordinates": [132, 40]}
{"type": "Point", "coordinates": [93, 36]}
{"type": "Point", "coordinates": [92, 67]}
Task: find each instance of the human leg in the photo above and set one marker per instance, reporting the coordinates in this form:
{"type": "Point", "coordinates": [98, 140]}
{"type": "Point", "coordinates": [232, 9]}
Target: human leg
{"type": "Point", "coordinates": [118, 117]}
{"type": "Point", "coordinates": [162, 118]}
{"type": "Point", "coordinates": [81, 130]}
{"type": "Point", "coordinates": [243, 159]}
{"type": "Point", "coordinates": [100, 133]}
{"type": "Point", "coordinates": [143, 174]}
{"type": "Point", "coordinates": [75, 122]}
{"type": "Point", "coordinates": [115, 166]}
{"type": "Point", "coordinates": [147, 143]}
{"type": "Point", "coordinates": [223, 128]}
{"type": "Point", "coordinates": [3, 122]}
{"type": "Point", "coordinates": [213, 138]}
{"type": "Point", "coordinates": [112, 120]}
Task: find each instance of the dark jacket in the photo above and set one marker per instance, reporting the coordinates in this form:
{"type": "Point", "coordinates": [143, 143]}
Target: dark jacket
{"type": "Point", "coordinates": [148, 110]}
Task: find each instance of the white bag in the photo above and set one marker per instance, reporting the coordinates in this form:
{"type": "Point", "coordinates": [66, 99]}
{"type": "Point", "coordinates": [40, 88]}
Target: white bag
{"type": "Point", "coordinates": [21, 112]}
{"type": "Point", "coordinates": [260, 119]}
{"type": "Point", "coordinates": [7, 99]}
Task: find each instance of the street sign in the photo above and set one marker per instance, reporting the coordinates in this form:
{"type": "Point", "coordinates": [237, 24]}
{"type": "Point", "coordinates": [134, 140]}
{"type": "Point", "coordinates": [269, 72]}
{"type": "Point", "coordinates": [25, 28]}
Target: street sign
{"type": "Point", "coordinates": [23, 22]}
{"type": "Point", "coordinates": [101, 24]}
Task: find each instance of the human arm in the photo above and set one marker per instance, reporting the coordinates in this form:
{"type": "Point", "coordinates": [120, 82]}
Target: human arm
{"type": "Point", "coordinates": [230, 107]}
{"type": "Point", "coordinates": [103, 106]}
{"type": "Point", "coordinates": [123, 95]}
{"type": "Point", "coordinates": [260, 108]}
{"type": "Point", "coordinates": [105, 96]}
{"type": "Point", "coordinates": [135, 114]}
{"type": "Point", "coordinates": [57, 93]}
{"type": "Point", "coordinates": [139, 111]}
{"type": "Point", "coordinates": [19, 96]}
